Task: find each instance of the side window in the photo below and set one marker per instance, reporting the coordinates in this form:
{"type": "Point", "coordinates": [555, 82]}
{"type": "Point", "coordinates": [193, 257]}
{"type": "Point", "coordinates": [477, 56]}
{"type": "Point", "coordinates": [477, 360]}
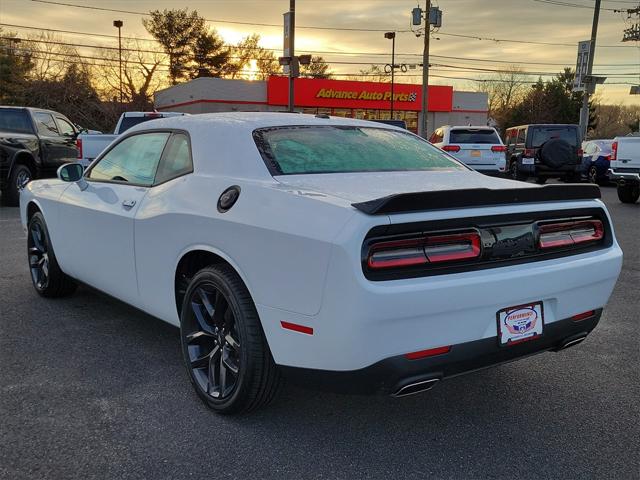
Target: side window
{"type": "Point", "coordinates": [134, 160]}
{"type": "Point", "coordinates": [65, 127]}
{"type": "Point", "coordinates": [176, 160]}
{"type": "Point", "coordinates": [46, 124]}
{"type": "Point", "coordinates": [521, 136]}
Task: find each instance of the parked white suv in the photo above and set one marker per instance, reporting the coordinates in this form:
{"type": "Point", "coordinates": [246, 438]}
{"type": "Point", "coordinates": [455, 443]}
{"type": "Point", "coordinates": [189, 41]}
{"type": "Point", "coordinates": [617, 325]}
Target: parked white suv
{"type": "Point", "coordinates": [624, 167]}
{"type": "Point", "coordinates": [477, 147]}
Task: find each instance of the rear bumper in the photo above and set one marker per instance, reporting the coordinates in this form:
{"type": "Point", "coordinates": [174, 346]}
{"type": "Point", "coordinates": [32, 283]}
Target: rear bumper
{"type": "Point", "coordinates": [630, 177]}
{"type": "Point", "coordinates": [396, 374]}
{"type": "Point", "coordinates": [539, 169]}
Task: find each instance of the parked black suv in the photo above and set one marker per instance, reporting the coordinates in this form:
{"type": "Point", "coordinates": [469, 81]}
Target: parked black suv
{"type": "Point", "coordinates": [33, 144]}
{"type": "Point", "coordinates": [544, 151]}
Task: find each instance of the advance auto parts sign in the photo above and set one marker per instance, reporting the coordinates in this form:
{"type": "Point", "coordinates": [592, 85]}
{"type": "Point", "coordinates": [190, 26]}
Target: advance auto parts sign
{"type": "Point", "coordinates": [311, 92]}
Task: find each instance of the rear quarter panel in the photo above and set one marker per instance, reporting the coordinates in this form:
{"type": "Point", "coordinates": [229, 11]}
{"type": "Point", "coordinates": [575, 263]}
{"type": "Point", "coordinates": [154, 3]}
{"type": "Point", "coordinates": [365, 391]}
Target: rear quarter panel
{"type": "Point", "coordinates": [278, 240]}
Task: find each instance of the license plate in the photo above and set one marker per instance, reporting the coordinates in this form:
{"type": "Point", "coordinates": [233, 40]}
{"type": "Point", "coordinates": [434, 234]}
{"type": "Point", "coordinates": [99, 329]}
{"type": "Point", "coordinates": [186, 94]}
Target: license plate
{"type": "Point", "coordinates": [528, 161]}
{"type": "Point", "coordinates": [476, 153]}
{"type": "Point", "coordinates": [520, 323]}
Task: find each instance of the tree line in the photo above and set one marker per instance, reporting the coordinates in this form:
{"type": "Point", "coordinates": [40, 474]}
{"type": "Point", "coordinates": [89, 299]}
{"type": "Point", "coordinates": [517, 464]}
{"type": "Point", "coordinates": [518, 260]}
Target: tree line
{"type": "Point", "coordinates": [45, 72]}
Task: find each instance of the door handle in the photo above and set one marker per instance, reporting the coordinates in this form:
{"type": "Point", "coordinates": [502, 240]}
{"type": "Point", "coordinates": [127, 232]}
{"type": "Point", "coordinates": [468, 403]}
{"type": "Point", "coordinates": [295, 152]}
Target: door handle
{"type": "Point", "coordinates": [128, 203]}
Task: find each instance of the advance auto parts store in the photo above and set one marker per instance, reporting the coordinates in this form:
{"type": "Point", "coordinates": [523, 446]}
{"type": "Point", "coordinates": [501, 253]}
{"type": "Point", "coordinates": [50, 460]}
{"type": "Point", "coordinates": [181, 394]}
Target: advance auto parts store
{"type": "Point", "coordinates": [343, 98]}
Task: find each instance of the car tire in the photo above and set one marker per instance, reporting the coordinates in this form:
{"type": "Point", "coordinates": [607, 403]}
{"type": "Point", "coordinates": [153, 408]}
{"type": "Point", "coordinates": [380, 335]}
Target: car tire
{"type": "Point", "coordinates": [541, 180]}
{"type": "Point", "coordinates": [47, 277]}
{"type": "Point", "coordinates": [515, 173]}
{"type": "Point", "coordinates": [223, 345]}
{"type": "Point", "coordinates": [629, 193]}
{"type": "Point", "coordinates": [593, 177]}
{"type": "Point", "coordinates": [20, 176]}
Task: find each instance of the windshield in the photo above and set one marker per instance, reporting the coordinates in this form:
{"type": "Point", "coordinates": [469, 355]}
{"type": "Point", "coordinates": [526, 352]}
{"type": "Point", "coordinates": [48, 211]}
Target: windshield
{"type": "Point", "coordinates": [14, 120]}
{"type": "Point", "coordinates": [470, 135]}
{"type": "Point", "coordinates": [542, 134]}
{"type": "Point", "coordinates": [341, 149]}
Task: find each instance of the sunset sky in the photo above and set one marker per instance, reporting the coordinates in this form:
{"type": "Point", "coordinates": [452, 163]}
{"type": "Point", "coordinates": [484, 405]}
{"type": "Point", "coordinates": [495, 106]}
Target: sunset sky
{"type": "Point", "coordinates": [522, 20]}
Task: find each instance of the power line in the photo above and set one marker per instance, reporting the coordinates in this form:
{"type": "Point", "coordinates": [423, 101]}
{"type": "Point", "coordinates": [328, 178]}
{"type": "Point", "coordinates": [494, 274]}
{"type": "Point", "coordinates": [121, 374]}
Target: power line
{"type": "Point", "coordinates": [561, 3]}
{"type": "Point", "coordinates": [324, 52]}
{"type": "Point", "coordinates": [235, 22]}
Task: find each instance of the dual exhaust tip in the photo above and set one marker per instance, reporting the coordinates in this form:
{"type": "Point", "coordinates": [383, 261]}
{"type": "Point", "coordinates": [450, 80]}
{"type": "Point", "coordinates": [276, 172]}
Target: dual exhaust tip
{"type": "Point", "coordinates": [424, 385]}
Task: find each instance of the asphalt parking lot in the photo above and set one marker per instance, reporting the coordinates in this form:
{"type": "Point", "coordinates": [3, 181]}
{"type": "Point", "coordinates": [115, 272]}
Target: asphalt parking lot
{"type": "Point", "coordinates": [92, 388]}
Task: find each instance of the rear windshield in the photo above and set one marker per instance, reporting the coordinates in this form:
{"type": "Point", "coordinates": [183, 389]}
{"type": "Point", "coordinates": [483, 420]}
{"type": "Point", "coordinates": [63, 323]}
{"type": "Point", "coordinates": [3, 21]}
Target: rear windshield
{"type": "Point", "coordinates": [128, 122]}
{"type": "Point", "coordinates": [470, 135]}
{"type": "Point", "coordinates": [338, 149]}
{"type": "Point", "coordinates": [539, 135]}
{"type": "Point", "coordinates": [15, 121]}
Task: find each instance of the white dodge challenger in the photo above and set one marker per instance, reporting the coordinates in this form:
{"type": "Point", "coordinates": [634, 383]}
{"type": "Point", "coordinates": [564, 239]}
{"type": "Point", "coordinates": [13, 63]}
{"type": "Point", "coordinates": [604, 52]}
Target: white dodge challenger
{"type": "Point", "coordinates": [344, 254]}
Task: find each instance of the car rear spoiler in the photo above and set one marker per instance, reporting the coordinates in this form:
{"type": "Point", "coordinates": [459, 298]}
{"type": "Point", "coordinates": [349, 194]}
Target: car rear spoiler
{"type": "Point", "coordinates": [475, 197]}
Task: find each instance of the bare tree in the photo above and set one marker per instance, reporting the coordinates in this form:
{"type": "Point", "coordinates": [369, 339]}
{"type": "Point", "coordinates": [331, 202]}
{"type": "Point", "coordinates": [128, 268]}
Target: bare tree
{"type": "Point", "coordinates": [374, 73]}
{"type": "Point", "coordinates": [505, 90]}
{"type": "Point", "coordinates": [50, 57]}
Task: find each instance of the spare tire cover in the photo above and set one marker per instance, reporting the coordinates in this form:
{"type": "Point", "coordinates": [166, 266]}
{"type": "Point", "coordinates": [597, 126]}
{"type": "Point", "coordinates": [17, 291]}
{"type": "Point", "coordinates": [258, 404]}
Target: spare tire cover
{"type": "Point", "coordinates": [556, 152]}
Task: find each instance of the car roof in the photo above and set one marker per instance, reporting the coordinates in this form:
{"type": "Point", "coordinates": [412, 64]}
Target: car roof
{"type": "Point", "coordinates": [545, 125]}
{"type": "Point", "coordinates": [222, 143]}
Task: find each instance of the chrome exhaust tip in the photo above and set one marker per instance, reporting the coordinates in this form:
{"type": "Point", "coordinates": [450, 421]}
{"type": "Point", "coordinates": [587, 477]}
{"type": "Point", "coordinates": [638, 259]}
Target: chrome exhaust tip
{"type": "Point", "coordinates": [416, 387]}
{"type": "Point", "coordinates": [571, 343]}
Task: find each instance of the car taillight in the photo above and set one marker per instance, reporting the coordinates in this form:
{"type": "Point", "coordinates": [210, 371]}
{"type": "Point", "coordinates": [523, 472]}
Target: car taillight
{"type": "Point", "coordinates": [607, 158]}
{"type": "Point", "coordinates": [436, 248]}
{"type": "Point", "coordinates": [79, 148]}
{"type": "Point", "coordinates": [529, 152]}
{"type": "Point", "coordinates": [580, 152]}
{"type": "Point", "coordinates": [614, 151]}
{"type": "Point", "coordinates": [554, 235]}
{"type": "Point", "coordinates": [498, 148]}
{"type": "Point", "coordinates": [451, 148]}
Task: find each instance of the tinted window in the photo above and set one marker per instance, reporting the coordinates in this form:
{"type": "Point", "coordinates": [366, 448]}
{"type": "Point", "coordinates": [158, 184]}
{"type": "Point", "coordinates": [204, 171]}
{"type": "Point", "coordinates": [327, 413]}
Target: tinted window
{"type": "Point", "coordinates": [46, 124]}
{"type": "Point", "coordinates": [65, 127]}
{"type": "Point", "coordinates": [327, 149]}
{"type": "Point", "coordinates": [128, 122]}
{"type": "Point", "coordinates": [133, 160]}
{"type": "Point", "coordinates": [539, 135]}
{"type": "Point", "coordinates": [470, 135]}
{"type": "Point", "coordinates": [176, 160]}
{"type": "Point", "coordinates": [14, 121]}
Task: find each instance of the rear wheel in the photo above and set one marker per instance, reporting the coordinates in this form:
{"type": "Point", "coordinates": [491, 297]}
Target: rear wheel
{"type": "Point", "coordinates": [592, 174]}
{"type": "Point", "coordinates": [223, 345]}
{"type": "Point", "coordinates": [48, 279]}
{"type": "Point", "coordinates": [629, 193]}
{"type": "Point", "coordinates": [20, 176]}
{"type": "Point", "coordinates": [541, 180]}
{"type": "Point", "coordinates": [515, 173]}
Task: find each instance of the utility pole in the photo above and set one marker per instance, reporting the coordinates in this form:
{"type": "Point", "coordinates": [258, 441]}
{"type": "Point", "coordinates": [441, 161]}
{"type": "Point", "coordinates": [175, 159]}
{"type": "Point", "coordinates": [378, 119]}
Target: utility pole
{"type": "Point", "coordinates": [118, 24]}
{"type": "Point", "coordinates": [423, 128]}
{"type": "Point", "coordinates": [392, 36]}
{"type": "Point", "coordinates": [589, 86]}
{"type": "Point", "coordinates": [292, 34]}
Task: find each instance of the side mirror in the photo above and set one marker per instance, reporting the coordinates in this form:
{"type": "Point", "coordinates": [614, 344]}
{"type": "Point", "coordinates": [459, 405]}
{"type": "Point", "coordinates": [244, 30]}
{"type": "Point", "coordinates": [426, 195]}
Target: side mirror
{"type": "Point", "coordinates": [72, 172]}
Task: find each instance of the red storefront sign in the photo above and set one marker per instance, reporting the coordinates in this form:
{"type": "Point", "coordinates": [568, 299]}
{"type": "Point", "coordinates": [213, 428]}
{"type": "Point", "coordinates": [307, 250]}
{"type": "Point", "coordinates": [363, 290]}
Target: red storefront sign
{"type": "Point", "coordinates": [311, 92]}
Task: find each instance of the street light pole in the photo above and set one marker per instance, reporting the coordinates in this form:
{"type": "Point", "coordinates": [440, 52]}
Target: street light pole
{"type": "Point", "coordinates": [118, 24]}
{"type": "Point", "coordinates": [425, 73]}
{"type": "Point", "coordinates": [584, 111]}
{"type": "Point", "coordinates": [292, 33]}
{"type": "Point", "coordinates": [392, 36]}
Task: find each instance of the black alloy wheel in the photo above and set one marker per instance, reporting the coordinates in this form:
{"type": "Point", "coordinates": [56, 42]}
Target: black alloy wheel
{"type": "Point", "coordinates": [223, 345]}
{"type": "Point", "coordinates": [47, 277]}
{"type": "Point", "coordinates": [38, 256]}
{"type": "Point", "coordinates": [592, 175]}
{"type": "Point", "coordinates": [213, 343]}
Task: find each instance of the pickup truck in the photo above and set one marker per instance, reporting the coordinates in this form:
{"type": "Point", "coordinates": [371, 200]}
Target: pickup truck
{"type": "Point", "coordinates": [624, 167]}
{"type": "Point", "coordinates": [33, 144]}
{"type": "Point", "coordinates": [91, 145]}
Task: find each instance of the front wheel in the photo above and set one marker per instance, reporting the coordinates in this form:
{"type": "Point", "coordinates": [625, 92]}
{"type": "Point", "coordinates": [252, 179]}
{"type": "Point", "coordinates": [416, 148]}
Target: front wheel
{"type": "Point", "coordinates": [223, 345]}
{"type": "Point", "coordinates": [629, 193]}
